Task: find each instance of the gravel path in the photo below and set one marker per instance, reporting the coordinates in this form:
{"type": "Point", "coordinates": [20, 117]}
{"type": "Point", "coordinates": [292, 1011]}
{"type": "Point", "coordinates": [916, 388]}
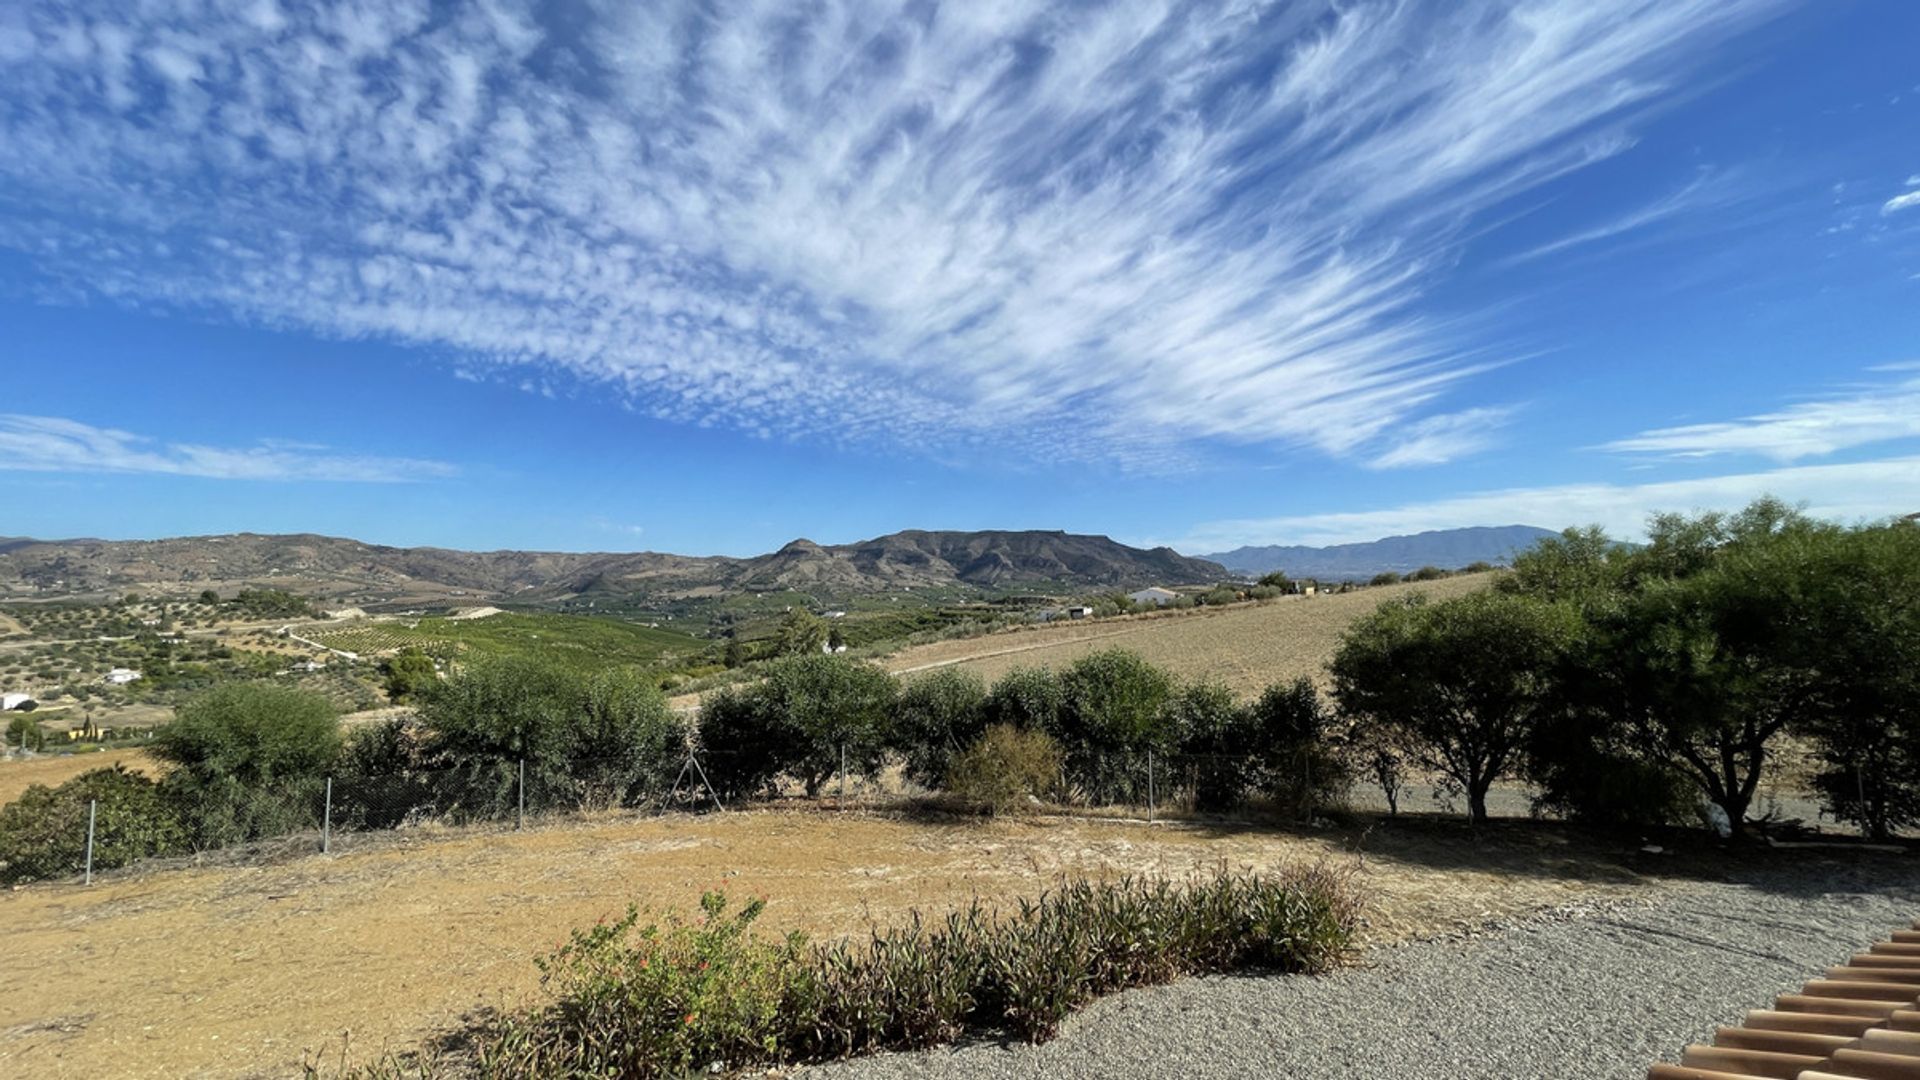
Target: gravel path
{"type": "Point", "coordinates": [1596, 994]}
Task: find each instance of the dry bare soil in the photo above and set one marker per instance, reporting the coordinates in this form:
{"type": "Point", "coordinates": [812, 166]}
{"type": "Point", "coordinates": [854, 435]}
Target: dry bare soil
{"type": "Point", "coordinates": [239, 970]}
{"type": "Point", "coordinates": [1246, 646]}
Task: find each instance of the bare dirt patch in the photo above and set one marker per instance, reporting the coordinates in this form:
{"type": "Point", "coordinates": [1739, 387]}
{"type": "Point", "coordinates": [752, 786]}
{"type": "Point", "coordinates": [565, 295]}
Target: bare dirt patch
{"type": "Point", "coordinates": [1248, 647]}
{"type": "Point", "coordinates": [238, 970]}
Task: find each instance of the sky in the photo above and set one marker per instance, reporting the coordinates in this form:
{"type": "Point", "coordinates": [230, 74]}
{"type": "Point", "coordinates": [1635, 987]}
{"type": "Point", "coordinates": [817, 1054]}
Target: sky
{"type": "Point", "coordinates": [705, 277]}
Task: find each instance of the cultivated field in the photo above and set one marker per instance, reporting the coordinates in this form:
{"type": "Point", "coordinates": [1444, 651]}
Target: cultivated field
{"type": "Point", "coordinates": [236, 970]}
{"type": "Point", "coordinates": [1246, 646]}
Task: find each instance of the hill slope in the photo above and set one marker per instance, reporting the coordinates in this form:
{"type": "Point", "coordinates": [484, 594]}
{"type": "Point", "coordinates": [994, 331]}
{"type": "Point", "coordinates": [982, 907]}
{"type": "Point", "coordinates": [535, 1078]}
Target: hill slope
{"type": "Point", "coordinates": [349, 569]}
{"type": "Point", "coordinates": [1446, 548]}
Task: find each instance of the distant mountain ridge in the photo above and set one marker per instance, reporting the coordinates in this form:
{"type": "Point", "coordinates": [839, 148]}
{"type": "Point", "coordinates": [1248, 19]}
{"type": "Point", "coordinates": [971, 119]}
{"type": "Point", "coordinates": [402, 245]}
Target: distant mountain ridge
{"type": "Point", "coordinates": [1446, 548]}
{"type": "Point", "coordinates": [335, 567]}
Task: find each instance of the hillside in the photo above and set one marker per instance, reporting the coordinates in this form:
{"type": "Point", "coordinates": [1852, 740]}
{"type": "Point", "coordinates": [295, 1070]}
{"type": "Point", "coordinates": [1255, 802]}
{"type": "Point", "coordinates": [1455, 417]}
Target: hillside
{"type": "Point", "coordinates": [1446, 548]}
{"type": "Point", "coordinates": [1244, 647]}
{"type": "Point", "coordinates": [349, 570]}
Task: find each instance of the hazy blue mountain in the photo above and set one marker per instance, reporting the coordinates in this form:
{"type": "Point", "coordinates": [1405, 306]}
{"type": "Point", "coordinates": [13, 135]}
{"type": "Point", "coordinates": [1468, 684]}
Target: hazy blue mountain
{"type": "Point", "coordinates": [1448, 549]}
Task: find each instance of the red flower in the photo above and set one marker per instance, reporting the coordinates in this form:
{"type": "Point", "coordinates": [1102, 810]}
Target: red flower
{"type": "Point", "coordinates": [689, 1019]}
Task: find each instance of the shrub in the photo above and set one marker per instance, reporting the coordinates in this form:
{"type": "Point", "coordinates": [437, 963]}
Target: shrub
{"type": "Point", "coordinates": [744, 748]}
{"type": "Point", "coordinates": [1028, 698]}
{"type": "Point", "coordinates": [43, 833]}
{"type": "Point", "coordinates": [1219, 747]}
{"type": "Point", "coordinates": [409, 675]}
{"type": "Point", "coordinates": [1005, 769]}
{"type": "Point", "coordinates": [1307, 769]}
{"type": "Point", "coordinates": [598, 740]}
{"type": "Point", "coordinates": [935, 716]}
{"type": "Point", "coordinates": [1112, 713]}
{"type": "Point", "coordinates": [249, 760]}
{"type": "Point", "coordinates": [1385, 577]}
{"type": "Point", "coordinates": [635, 1000]}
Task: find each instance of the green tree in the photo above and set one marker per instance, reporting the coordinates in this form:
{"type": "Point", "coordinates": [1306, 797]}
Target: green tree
{"type": "Point", "coordinates": [409, 674]}
{"type": "Point", "coordinates": [1111, 715]}
{"type": "Point", "coordinates": [801, 633]}
{"type": "Point", "coordinates": [209, 597]}
{"type": "Point", "coordinates": [1277, 579]}
{"type": "Point", "coordinates": [1461, 683]}
{"type": "Point", "coordinates": [936, 716]}
{"type": "Point", "coordinates": [1026, 697]}
{"type": "Point", "coordinates": [1385, 577]}
{"type": "Point", "coordinates": [24, 732]}
{"type": "Point", "coordinates": [248, 760]}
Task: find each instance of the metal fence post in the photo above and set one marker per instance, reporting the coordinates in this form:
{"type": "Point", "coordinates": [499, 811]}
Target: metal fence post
{"type": "Point", "coordinates": [1149, 787]}
{"type": "Point", "coordinates": [93, 813]}
{"type": "Point", "coordinates": [520, 820]}
{"type": "Point", "coordinates": [326, 821]}
{"type": "Point", "coordinates": [1860, 790]}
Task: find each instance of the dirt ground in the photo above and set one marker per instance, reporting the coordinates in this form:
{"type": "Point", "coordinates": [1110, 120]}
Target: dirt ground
{"type": "Point", "coordinates": [1248, 647]}
{"type": "Point", "coordinates": [239, 970]}
{"type": "Point", "coordinates": [16, 775]}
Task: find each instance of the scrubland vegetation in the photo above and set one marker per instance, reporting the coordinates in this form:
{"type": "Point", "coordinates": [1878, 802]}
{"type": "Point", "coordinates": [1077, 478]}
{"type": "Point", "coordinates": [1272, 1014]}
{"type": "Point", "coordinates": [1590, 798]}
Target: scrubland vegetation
{"type": "Point", "coordinates": [1627, 685]}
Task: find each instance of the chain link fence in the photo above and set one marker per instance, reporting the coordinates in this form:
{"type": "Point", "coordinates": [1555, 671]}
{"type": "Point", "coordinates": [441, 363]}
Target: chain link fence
{"type": "Point", "coordinates": [125, 823]}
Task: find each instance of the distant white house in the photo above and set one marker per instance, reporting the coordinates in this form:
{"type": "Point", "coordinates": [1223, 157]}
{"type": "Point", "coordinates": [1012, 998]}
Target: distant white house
{"type": "Point", "coordinates": [1156, 596]}
{"type": "Point", "coordinates": [122, 676]}
{"type": "Point", "coordinates": [1078, 612]}
{"type": "Point", "coordinates": [10, 702]}
{"type": "Point", "coordinates": [309, 666]}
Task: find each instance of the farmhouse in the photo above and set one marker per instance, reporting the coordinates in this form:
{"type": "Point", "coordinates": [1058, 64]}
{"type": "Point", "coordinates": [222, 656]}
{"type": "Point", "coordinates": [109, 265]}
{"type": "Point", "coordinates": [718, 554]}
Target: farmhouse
{"type": "Point", "coordinates": [10, 702]}
{"type": "Point", "coordinates": [1156, 596]}
{"type": "Point", "coordinates": [1079, 612]}
{"type": "Point", "coordinates": [122, 676]}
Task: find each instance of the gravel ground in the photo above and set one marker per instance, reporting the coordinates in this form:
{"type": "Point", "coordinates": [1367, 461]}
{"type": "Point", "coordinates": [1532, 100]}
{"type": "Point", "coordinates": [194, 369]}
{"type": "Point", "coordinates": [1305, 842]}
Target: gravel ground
{"type": "Point", "coordinates": [1595, 993]}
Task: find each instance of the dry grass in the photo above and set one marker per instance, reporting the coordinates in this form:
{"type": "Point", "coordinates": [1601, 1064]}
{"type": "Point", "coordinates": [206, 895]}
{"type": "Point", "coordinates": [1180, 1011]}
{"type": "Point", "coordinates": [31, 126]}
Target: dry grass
{"type": "Point", "coordinates": [1247, 646]}
{"type": "Point", "coordinates": [55, 769]}
{"type": "Point", "coordinates": [237, 970]}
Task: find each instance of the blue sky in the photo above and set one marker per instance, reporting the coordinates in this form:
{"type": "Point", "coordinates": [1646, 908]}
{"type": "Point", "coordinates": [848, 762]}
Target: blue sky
{"type": "Point", "coordinates": [707, 277]}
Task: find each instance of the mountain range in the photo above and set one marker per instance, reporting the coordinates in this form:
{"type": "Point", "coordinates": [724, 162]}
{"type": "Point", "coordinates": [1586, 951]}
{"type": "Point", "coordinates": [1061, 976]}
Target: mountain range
{"type": "Point", "coordinates": [1448, 549]}
{"type": "Point", "coordinates": [332, 567]}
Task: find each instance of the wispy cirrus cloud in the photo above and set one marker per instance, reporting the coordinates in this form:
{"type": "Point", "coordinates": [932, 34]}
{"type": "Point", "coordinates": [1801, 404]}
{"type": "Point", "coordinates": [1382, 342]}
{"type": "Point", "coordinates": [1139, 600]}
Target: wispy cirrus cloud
{"type": "Point", "coordinates": [1859, 491]}
{"type": "Point", "coordinates": [1858, 416]}
{"type": "Point", "coordinates": [54, 444]}
{"type": "Point", "coordinates": [1708, 190]}
{"type": "Point", "coordinates": [1119, 231]}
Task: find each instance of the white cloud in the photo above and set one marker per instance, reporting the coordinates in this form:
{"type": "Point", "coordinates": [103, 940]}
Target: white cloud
{"type": "Point", "coordinates": [1440, 439]}
{"type": "Point", "coordinates": [1851, 492]}
{"type": "Point", "coordinates": [52, 444]}
{"type": "Point", "coordinates": [1117, 231]}
{"type": "Point", "coordinates": [1901, 202]}
{"type": "Point", "coordinates": [1826, 425]}
{"type": "Point", "coordinates": [1705, 191]}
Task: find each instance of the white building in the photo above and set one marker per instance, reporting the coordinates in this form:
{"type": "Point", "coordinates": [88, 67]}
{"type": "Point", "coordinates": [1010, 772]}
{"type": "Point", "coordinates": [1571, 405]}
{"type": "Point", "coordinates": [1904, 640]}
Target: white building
{"type": "Point", "coordinates": [10, 702]}
{"type": "Point", "coordinates": [122, 676]}
{"type": "Point", "coordinates": [1080, 612]}
{"type": "Point", "coordinates": [1155, 596]}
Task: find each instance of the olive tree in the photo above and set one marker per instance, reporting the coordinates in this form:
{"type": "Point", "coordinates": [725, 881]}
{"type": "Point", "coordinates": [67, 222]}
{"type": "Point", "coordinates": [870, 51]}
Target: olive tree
{"type": "Point", "coordinates": [1461, 683]}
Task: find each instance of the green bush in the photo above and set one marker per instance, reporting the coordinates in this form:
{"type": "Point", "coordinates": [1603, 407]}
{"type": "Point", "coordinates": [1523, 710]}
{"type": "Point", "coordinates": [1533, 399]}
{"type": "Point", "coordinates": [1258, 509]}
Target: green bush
{"type": "Point", "coordinates": [1112, 714]}
{"type": "Point", "coordinates": [1005, 769]}
{"type": "Point", "coordinates": [605, 739]}
{"type": "Point", "coordinates": [1027, 697]}
{"type": "Point", "coordinates": [798, 721]}
{"type": "Point", "coordinates": [1385, 577]}
{"type": "Point", "coordinates": [633, 1000]}
{"type": "Point", "coordinates": [43, 833]}
{"type": "Point", "coordinates": [934, 718]}
{"type": "Point", "coordinates": [250, 760]}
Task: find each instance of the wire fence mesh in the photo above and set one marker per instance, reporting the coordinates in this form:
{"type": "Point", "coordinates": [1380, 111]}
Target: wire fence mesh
{"type": "Point", "coordinates": [71, 838]}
